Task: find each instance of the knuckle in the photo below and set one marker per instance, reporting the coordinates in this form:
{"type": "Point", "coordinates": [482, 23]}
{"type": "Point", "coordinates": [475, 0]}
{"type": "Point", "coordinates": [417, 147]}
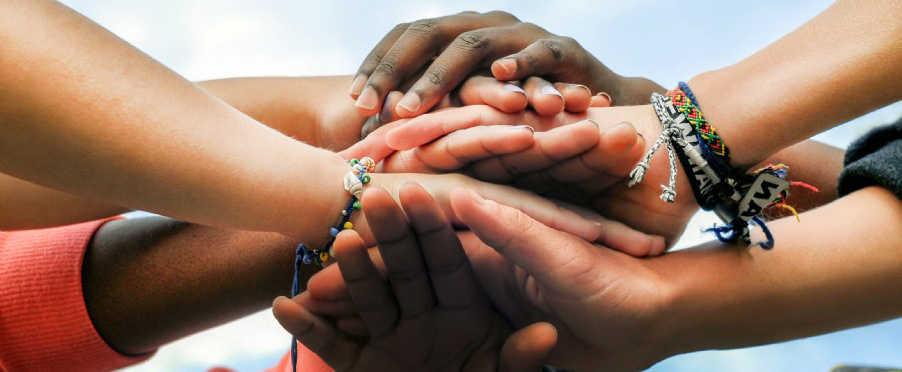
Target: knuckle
{"type": "Point", "coordinates": [502, 15]}
{"type": "Point", "coordinates": [386, 67]}
{"type": "Point", "coordinates": [569, 42]}
{"type": "Point", "coordinates": [424, 26]}
{"type": "Point", "coordinates": [436, 75]}
{"type": "Point", "coordinates": [471, 41]}
{"type": "Point", "coordinates": [553, 48]}
{"type": "Point", "coordinates": [400, 27]}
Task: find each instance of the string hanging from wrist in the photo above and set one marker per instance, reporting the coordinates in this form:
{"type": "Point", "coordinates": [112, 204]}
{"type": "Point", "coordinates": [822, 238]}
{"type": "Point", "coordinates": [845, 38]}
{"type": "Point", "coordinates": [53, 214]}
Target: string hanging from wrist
{"type": "Point", "coordinates": [735, 197]}
{"type": "Point", "coordinates": [353, 181]}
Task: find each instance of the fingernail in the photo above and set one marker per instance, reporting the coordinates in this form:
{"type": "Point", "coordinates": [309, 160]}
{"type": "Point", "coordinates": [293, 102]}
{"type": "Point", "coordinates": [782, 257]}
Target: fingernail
{"type": "Point", "coordinates": [368, 99]}
{"type": "Point", "coordinates": [357, 85]}
{"type": "Point", "coordinates": [549, 90]}
{"type": "Point", "coordinates": [277, 299]}
{"type": "Point", "coordinates": [595, 123]}
{"type": "Point", "coordinates": [623, 123]}
{"type": "Point", "coordinates": [514, 88]}
{"type": "Point", "coordinates": [476, 197]}
{"type": "Point", "coordinates": [527, 127]}
{"type": "Point", "coordinates": [385, 114]}
{"type": "Point", "coordinates": [410, 102]}
{"type": "Point", "coordinates": [580, 86]}
{"type": "Point", "coordinates": [509, 66]}
{"type": "Point", "coordinates": [605, 95]}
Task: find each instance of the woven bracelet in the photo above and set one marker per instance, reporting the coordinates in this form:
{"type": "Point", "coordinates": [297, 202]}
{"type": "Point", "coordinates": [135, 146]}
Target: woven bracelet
{"type": "Point", "coordinates": [735, 197]}
{"type": "Point", "coordinates": [353, 184]}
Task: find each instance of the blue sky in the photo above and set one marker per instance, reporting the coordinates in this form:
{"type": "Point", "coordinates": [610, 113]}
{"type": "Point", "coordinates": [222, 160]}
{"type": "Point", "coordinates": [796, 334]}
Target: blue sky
{"type": "Point", "coordinates": [667, 41]}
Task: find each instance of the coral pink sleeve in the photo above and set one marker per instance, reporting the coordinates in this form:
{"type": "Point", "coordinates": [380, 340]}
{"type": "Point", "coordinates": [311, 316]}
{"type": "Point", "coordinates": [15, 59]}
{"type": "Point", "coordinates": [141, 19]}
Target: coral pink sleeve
{"type": "Point", "coordinates": [307, 362]}
{"type": "Point", "coordinates": [44, 323]}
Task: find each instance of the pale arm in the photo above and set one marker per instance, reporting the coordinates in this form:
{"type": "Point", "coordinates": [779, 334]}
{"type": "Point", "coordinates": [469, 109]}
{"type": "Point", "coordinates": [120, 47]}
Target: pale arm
{"type": "Point", "coordinates": [840, 65]}
{"type": "Point", "coordinates": [91, 115]}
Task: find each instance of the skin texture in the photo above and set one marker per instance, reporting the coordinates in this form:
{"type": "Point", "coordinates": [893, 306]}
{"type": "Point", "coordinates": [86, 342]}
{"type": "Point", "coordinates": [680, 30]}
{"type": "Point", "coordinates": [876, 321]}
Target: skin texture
{"type": "Point", "coordinates": [616, 312]}
{"type": "Point", "coordinates": [432, 317]}
{"type": "Point", "coordinates": [439, 53]}
{"type": "Point", "coordinates": [91, 116]}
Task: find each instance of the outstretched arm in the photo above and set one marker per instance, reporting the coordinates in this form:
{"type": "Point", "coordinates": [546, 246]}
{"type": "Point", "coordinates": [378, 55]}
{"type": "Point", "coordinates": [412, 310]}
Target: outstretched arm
{"type": "Point", "coordinates": [86, 113]}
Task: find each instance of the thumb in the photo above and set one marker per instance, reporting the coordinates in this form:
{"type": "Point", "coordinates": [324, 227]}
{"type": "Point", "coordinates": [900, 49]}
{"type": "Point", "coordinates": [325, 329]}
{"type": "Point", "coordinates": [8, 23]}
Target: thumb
{"type": "Point", "coordinates": [374, 145]}
{"type": "Point", "coordinates": [525, 349]}
{"type": "Point", "coordinates": [549, 255]}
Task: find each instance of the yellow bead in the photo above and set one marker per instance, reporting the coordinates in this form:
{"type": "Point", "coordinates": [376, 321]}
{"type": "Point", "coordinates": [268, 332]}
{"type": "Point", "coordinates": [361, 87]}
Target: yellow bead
{"type": "Point", "coordinates": [324, 256]}
{"type": "Point", "coordinates": [349, 225]}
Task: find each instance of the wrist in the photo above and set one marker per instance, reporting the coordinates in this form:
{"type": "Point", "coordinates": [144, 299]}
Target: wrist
{"type": "Point", "coordinates": [736, 113]}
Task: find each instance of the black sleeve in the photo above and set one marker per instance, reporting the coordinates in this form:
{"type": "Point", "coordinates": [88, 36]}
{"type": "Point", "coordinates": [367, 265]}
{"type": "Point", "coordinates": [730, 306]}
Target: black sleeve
{"type": "Point", "coordinates": [875, 159]}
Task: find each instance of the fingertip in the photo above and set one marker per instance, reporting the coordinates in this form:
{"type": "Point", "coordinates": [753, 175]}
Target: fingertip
{"type": "Point", "coordinates": [658, 245]}
{"type": "Point", "coordinates": [368, 102]}
{"type": "Point", "coordinates": [504, 69]}
{"type": "Point", "coordinates": [577, 97]}
{"type": "Point", "coordinates": [621, 138]}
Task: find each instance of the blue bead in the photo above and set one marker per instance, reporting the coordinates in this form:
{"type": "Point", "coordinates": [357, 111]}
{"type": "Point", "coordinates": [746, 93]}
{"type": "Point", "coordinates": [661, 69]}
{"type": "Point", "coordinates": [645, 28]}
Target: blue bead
{"type": "Point", "coordinates": [307, 260]}
{"type": "Point", "coordinates": [333, 231]}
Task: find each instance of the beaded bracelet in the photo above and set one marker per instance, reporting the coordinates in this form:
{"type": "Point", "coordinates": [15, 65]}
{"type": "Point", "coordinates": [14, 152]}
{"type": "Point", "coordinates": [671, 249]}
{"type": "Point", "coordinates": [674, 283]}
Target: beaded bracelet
{"type": "Point", "coordinates": [735, 197]}
{"type": "Point", "coordinates": [353, 184]}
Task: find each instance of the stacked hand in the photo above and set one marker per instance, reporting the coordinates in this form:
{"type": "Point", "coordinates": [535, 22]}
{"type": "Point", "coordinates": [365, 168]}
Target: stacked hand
{"type": "Point", "coordinates": [609, 309]}
{"type": "Point", "coordinates": [433, 316]}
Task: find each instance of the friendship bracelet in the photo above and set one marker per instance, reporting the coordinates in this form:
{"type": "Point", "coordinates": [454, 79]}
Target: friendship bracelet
{"type": "Point", "coordinates": [353, 184]}
{"type": "Point", "coordinates": [736, 198]}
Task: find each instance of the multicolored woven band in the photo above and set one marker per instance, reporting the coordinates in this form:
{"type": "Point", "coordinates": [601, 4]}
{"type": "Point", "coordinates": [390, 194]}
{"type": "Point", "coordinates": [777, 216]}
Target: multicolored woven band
{"type": "Point", "coordinates": [685, 102]}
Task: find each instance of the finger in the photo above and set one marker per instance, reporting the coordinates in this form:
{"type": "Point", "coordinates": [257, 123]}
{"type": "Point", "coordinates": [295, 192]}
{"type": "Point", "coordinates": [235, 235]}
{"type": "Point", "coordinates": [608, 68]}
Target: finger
{"type": "Point", "coordinates": [374, 145]}
{"type": "Point", "coordinates": [400, 252]}
{"type": "Point", "coordinates": [544, 98]}
{"type": "Point", "coordinates": [353, 328]}
{"type": "Point", "coordinates": [547, 149]}
{"type": "Point", "coordinates": [603, 158]}
{"type": "Point", "coordinates": [449, 270]}
{"type": "Point", "coordinates": [482, 90]}
{"type": "Point", "coordinates": [413, 49]}
{"type": "Point", "coordinates": [386, 115]}
{"type": "Point", "coordinates": [543, 210]}
{"type": "Point", "coordinates": [619, 236]}
{"type": "Point", "coordinates": [458, 149]}
{"type": "Point", "coordinates": [601, 100]}
{"type": "Point", "coordinates": [428, 127]}
{"type": "Point", "coordinates": [549, 255]}
{"type": "Point", "coordinates": [316, 334]}
{"type": "Point", "coordinates": [577, 97]}
{"type": "Point", "coordinates": [374, 57]}
{"type": "Point", "coordinates": [333, 309]}
{"type": "Point", "coordinates": [465, 54]}
{"type": "Point", "coordinates": [373, 299]}
{"type": "Point", "coordinates": [525, 349]}
{"type": "Point", "coordinates": [543, 57]}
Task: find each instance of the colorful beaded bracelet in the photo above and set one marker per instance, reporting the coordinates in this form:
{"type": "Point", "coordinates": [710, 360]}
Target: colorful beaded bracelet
{"type": "Point", "coordinates": [353, 184]}
{"type": "Point", "coordinates": [735, 197]}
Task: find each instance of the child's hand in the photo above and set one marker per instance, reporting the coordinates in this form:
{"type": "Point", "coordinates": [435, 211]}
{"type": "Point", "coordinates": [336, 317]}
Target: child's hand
{"type": "Point", "coordinates": [432, 317]}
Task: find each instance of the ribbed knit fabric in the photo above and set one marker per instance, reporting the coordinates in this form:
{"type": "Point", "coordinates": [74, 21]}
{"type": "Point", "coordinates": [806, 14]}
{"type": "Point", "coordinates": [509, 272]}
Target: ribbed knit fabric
{"type": "Point", "coordinates": [44, 323]}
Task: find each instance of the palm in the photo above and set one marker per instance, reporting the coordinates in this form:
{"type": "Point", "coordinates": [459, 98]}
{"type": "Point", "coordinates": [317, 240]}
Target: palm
{"type": "Point", "coordinates": [598, 314]}
{"type": "Point", "coordinates": [434, 341]}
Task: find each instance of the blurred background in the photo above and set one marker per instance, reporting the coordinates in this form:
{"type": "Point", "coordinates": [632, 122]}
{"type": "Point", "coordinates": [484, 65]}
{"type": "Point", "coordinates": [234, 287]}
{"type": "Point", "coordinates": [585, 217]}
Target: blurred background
{"type": "Point", "coordinates": [207, 39]}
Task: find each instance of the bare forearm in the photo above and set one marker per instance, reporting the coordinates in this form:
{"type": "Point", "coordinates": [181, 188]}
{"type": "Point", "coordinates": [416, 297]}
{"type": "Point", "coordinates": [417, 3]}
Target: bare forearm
{"type": "Point", "coordinates": [315, 110]}
{"type": "Point", "coordinates": [151, 281]}
{"type": "Point", "coordinates": [839, 268]}
{"type": "Point", "coordinates": [86, 113]}
{"type": "Point", "coordinates": [814, 163]}
{"type": "Point", "coordinates": [838, 66]}
{"type": "Point", "coordinates": [24, 205]}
